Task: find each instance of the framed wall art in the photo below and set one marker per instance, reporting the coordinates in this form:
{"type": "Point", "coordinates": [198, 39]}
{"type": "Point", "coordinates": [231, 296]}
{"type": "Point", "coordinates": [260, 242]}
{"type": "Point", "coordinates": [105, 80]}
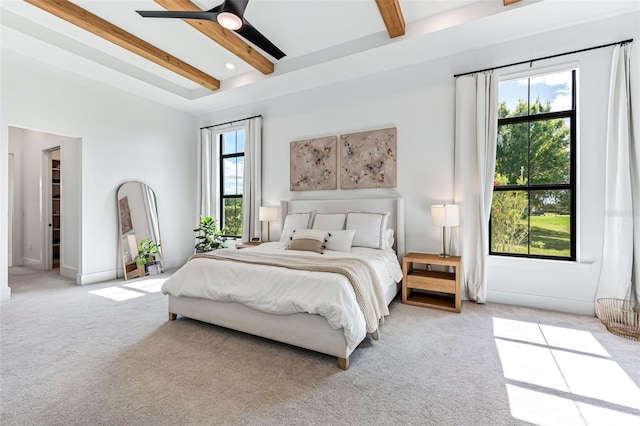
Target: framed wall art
{"type": "Point", "coordinates": [125, 215]}
{"type": "Point", "coordinates": [313, 164]}
{"type": "Point", "coordinates": [368, 159]}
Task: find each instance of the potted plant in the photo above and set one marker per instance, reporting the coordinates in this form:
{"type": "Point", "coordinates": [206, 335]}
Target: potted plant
{"type": "Point", "coordinates": [147, 249]}
{"type": "Point", "coordinates": [209, 237]}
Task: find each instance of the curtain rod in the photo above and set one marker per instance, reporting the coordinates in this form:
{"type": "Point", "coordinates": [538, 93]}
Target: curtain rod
{"type": "Point", "coordinates": [546, 57]}
{"type": "Point", "coordinates": [231, 122]}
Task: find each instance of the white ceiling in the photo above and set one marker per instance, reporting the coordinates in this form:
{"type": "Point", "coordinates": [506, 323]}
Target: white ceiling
{"type": "Point", "coordinates": [325, 41]}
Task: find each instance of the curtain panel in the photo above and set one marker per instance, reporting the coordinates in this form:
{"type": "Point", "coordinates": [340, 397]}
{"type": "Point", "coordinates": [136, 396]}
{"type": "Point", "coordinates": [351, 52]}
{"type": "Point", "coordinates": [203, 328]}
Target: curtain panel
{"type": "Point", "coordinates": [476, 125]}
{"type": "Point", "coordinates": [252, 185]}
{"type": "Point", "coordinates": [620, 269]}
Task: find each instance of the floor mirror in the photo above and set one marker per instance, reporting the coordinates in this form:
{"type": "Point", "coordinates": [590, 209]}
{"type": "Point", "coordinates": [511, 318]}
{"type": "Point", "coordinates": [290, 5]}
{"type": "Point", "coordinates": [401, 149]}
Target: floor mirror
{"type": "Point", "coordinates": [139, 230]}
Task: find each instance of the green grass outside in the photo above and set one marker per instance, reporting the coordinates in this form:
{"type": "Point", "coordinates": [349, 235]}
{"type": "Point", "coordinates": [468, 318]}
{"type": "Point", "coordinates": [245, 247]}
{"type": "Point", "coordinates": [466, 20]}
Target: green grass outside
{"type": "Point", "coordinates": [551, 230]}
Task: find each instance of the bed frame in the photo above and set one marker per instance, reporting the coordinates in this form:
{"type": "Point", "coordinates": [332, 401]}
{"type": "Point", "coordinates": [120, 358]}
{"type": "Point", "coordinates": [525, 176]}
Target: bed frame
{"type": "Point", "coordinates": [304, 330]}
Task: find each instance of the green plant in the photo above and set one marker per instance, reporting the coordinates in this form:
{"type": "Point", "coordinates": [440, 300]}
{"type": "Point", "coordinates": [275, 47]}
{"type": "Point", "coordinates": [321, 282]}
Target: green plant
{"type": "Point", "coordinates": [209, 236]}
{"type": "Point", "coordinates": [147, 249]}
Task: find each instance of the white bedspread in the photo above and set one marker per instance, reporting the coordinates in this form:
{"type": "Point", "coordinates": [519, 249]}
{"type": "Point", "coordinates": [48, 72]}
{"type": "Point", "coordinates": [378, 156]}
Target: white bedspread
{"type": "Point", "coordinates": [284, 291]}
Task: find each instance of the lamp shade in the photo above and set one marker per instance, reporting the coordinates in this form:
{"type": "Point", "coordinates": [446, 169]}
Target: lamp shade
{"type": "Point", "coordinates": [268, 214]}
{"type": "Point", "coordinates": [445, 215]}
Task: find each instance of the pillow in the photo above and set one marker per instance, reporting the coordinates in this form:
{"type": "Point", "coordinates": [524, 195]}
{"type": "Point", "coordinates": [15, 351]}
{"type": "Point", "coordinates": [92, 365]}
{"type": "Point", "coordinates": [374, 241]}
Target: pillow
{"type": "Point", "coordinates": [308, 240]}
{"type": "Point", "coordinates": [388, 240]}
{"type": "Point", "coordinates": [340, 240]}
{"type": "Point", "coordinates": [329, 221]}
{"type": "Point", "coordinates": [295, 221]}
{"type": "Point", "coordinates": [369, 228]}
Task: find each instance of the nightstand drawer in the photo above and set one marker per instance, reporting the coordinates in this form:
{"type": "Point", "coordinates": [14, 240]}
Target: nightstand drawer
{"type": "Point", "coordinates": [443, 282]}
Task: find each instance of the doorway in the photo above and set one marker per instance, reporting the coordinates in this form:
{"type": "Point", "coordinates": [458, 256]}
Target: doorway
{"type": "Point", "coordinates": [45, 191]}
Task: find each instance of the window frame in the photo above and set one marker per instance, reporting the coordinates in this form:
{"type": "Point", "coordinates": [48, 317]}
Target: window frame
{"type": "Point", "coordinates": [221, 159]}
{"type": "Point", "coordinates": [571, 114]}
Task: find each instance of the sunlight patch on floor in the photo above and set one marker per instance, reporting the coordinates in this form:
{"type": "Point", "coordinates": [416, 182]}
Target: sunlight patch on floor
{"type": "Point", "coordinates": [541, 408]}
{"type": "Point", "coordinates": [116, 293]}
{"type": "Point", "coordinates": [152, 285]}
{"type": "Point", "coordinates": [566, 362]}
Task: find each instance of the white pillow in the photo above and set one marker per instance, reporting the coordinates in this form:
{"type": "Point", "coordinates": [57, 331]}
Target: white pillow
{"type": "Point", "coordinates": [295, 221]}
{"type": "Point", "coordinates": [340, 240]}
{"type": "Point", "coordinates": [388, 240]}
{"type": "Point", "coordinates": [329, 221]}
{"type": "Point", "coordinates": [369, 228]}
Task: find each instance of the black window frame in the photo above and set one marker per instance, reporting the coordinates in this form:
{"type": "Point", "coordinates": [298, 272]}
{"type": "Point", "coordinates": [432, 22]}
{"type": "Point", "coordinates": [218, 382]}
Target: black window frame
{"type": "Point", "coordinates": [528, 188]}
{"type": "Point", "coordinates": [224, 197]}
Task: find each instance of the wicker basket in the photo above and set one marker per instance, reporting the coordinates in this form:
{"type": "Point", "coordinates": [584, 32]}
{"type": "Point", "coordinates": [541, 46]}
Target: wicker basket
{"type": "Point", "coordinates": [621, 317]}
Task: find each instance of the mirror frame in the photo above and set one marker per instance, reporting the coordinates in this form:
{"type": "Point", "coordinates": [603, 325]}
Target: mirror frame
{"type": "Point", "coordinates": [131, 269]}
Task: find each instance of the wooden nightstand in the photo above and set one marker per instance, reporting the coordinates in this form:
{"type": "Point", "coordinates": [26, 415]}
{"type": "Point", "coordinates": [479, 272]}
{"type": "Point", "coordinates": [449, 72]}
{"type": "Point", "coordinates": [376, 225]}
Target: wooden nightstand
{"type": "Point", "coordinates": [431, 289]}
{"type": "Point", "coordinates": [248, 244]}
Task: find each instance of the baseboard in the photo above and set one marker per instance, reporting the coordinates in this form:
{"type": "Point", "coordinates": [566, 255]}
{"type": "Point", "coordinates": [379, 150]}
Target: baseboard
{"type": "Point", "coordinates": [69, 272]}
{"type": "Point", "coordinates": [96, 277]}
{"type": "Point", "coordinates": [572, 306]}
{"type": "Point", "coordinates": [5, 293]}
{"type": "Point", "coordinates": [32, 263]}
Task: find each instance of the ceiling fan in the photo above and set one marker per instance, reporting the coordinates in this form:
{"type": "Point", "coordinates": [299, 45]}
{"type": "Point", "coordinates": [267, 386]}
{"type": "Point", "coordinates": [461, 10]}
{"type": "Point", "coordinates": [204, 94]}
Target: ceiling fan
{"type": "Point", "coordinates": [230, 15]}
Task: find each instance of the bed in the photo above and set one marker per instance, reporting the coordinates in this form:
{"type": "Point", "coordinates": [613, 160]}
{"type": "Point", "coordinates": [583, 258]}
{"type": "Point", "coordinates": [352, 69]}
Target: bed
{"type": "Point", "coordinates": [298, 324]}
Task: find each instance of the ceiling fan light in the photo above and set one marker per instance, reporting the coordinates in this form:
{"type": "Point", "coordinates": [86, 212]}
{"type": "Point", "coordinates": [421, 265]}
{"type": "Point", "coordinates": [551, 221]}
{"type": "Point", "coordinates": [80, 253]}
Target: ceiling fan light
{"type": "Point", "coordinates": [229, 21]}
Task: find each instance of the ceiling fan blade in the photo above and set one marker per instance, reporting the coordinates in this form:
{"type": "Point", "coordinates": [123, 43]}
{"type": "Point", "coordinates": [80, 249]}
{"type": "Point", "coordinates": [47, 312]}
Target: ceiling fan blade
{"type": "Point", "coordinates": [249, 32]}
{"type": "Point", "coordinates": [209, 15]}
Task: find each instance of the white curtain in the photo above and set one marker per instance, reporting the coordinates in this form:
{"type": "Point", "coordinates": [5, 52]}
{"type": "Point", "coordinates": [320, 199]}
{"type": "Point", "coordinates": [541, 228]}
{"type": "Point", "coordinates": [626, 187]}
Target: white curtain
{"type": "Point", "coordinates": [207, 169]}
{"type": "Point", "coordinates": [620, 269]}
{"type": "Point", "coordinates": [475, 158]}
{"type": "Point", "coordinates": [252, 185]}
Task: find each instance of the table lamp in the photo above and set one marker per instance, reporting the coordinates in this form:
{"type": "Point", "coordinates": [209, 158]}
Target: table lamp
{"type": "Point", "coordinates": [268, 214]}
{"type": "Point", "coordinates": [445, 215]}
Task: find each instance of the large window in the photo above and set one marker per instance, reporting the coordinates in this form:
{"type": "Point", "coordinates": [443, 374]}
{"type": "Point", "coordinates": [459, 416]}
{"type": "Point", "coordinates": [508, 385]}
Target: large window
{"type": "Point", "coordinates": [533, 211]}
{"type": "Point", "coordinates": [231, 182]}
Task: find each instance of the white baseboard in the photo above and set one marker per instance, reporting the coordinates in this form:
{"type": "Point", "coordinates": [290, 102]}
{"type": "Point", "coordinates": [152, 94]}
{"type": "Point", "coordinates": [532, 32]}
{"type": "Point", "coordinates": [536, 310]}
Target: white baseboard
{"type": "Point", "coordinates": [69, 272]}
{"type": "Point", "coordinates": [32, 263]}
{"type": "Point", "coordinates": [96, 277]}
{"type": "Point", "coordinates": [5, 293]}
{"type": "Point", "coordinates": [572, 306]}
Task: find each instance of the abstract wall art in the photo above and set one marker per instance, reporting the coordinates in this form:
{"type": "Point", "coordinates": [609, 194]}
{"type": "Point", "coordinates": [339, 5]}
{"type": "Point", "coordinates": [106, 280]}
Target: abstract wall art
{"type": "Point", "coordinates": [313, 164]}
{"type": "Point", "coordinates": [368, 159]}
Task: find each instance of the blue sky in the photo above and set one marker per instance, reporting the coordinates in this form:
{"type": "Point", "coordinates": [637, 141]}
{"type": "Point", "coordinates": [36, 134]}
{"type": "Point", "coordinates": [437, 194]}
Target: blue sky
{"type": "Point", "coordinates": [555, 88]}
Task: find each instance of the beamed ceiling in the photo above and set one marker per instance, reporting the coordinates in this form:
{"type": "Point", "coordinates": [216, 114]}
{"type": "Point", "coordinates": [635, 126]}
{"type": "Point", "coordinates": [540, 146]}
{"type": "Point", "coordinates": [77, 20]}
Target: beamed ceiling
{"type": "Point", "coordinates": [183, 62]}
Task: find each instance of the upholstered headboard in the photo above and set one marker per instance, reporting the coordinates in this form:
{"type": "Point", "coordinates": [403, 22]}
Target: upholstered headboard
{"type": "Point", "coordinates": [393, 206]}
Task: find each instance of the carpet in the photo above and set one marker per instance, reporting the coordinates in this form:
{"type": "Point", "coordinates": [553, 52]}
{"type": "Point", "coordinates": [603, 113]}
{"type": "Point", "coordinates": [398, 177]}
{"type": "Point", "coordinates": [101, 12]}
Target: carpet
{"type": "Point", "coordinates": [70, 356]}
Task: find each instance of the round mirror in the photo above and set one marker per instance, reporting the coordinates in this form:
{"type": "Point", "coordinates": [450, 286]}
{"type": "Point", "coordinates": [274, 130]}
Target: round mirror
{"type": "Point", "coordinates": [139, 231]}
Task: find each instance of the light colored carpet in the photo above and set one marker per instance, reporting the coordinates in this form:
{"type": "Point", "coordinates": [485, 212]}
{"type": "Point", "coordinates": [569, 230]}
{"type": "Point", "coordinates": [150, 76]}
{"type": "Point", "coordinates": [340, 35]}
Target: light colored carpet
{"type": "Point", "coordinates": [69, 357]}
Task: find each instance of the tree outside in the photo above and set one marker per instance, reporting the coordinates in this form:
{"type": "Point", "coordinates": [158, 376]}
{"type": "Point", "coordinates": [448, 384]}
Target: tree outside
{"type": "Point", "coordinates": [534, 152]}
{"type": "Point", "coordinates": [232, 217]}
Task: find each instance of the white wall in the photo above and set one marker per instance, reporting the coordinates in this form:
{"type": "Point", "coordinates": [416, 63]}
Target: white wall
{"type": "Point", "coordinates": [29, 148]}
{"type": "Point", "coordinates": [123, 138]}
{"type": "Point", "coordinates": [419, 101]}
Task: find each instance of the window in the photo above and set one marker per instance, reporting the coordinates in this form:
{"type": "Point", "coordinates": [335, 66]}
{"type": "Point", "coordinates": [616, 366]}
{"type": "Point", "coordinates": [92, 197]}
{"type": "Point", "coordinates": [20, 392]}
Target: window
{"type": "Point", "coordinates": [533, 211]}
{"type": "Point", "coordinates": [231, 182]}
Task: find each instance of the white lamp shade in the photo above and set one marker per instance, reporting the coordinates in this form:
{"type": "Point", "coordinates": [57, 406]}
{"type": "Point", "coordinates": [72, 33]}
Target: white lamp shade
{"type": "Point", "coordinates": [445, 215]}
{"type": "Point", "coordinates": [268, 214]}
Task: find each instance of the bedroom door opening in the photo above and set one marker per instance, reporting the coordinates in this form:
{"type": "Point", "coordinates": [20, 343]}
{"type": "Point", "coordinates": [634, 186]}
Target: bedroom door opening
{"type": "Point", "coordinates": [45, 204]}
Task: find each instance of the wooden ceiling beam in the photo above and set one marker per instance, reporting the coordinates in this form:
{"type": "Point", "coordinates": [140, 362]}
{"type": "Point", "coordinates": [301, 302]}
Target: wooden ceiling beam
{"type": "Point", "coordinates": [508, 2]}
{"type": "Point", "coordinates": [84, 19]}
{"type": "Point", "coordinates": [224, 37]}
{"type": "Point", "coordinates": [392, 17]}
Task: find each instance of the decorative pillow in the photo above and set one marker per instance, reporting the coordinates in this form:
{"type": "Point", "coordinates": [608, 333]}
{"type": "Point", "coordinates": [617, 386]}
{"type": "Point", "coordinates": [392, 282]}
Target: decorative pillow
{"type": "Point", "coordinates": [388, 240]}
{"type": "Point", "coordinates": [340, 240]}
{"type": "Point", "coordinates": [329, 221]}
{"type": "Point", "coordinates": [308, 240]}
{"type": "Point", "coordinates": [369, 228]}
{"type": "Point", "coordinates": [295, 221]}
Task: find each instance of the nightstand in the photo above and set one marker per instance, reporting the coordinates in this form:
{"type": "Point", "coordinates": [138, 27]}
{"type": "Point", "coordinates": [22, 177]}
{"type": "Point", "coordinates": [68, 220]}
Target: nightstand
{"type": "Point", "coordinates": [429, 288]}
{"type": "Point", "coordinates": [248, 244]}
